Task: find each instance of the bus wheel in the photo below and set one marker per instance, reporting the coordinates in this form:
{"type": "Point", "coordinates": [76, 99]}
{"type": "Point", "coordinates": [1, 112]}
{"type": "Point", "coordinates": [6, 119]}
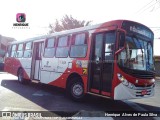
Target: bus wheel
{"type": "Point", "coordinates": [76, 90]}
{"type": "Point", "coordinates": [20, 76]}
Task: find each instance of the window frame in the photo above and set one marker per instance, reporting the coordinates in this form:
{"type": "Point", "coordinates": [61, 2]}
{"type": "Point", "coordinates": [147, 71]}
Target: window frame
{"type": "Point", "coordinates": [28, 49]}
{"type": "Point", "coordinates": [68, 40]}
{"type": "Point", "coordinates": [31, 45]}
{"type": "Point", "coordinates": [14, 51]}
{"type": "Point", "coordinates": [74, 36]}
{"type": "Point", "coordinates": [46, 42]}
{"type": "Point", "coordinates": [8, 53]}
{"type": "Point", "coordinates": [22, 47]}
{"type": "Point", "coordinates": [68, 45]}
{"type": "Point", "coordinates": [115, 44]}
{"type": "Point", "coordinates": [22, 50]}
{"type": "Point", "coordinates": [54, 46]}
{"type": "Point", "coordinates": [73, 43]}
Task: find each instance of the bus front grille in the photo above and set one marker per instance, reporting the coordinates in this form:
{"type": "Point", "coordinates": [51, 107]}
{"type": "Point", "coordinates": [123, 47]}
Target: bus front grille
{"type": "Point", "coordinates": [139, 90]}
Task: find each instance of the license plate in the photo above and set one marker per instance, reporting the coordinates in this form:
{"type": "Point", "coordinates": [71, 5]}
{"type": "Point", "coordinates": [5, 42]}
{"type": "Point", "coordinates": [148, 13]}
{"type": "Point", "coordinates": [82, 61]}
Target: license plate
{"type": "Point", "coordinates": [144, 92]}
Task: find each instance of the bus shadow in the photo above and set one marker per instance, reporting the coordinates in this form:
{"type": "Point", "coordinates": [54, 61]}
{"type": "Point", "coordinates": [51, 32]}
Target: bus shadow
{"type": "Point", "coordinates": [150, 107]}
{"type": "Point", "coordinates": [37, 93]}
{"type": "Point", "coordinates": [54, 99]}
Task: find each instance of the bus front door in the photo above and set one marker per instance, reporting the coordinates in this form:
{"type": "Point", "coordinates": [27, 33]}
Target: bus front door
{"type": "Point", "coordinates": [101, 67]}
{"type": "Point", "coordinates": [36, 60]}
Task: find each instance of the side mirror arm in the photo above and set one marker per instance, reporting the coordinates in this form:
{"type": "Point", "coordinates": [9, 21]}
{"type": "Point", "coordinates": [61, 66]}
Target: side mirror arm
{"type": "Point", "coordinates": [118, 51]}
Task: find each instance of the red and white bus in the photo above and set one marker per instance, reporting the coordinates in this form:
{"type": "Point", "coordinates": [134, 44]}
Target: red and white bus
{"type": "Point", "coordinates": [112, 60]}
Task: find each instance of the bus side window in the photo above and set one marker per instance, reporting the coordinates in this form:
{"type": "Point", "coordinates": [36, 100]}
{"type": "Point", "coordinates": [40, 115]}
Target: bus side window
{"type": "Point", "coordinates": [109, 45]}
{"type": "Point", "coordinates": [13, 51]}
{"type": "Point", "coordinates": [20, 50]}
{"type": "Point", "coordinates": [49, 50]}
{"type": "Point", "coordinates": [62, 47]}
{"type": "Point", "coordinates": [28, 50]}
{"type": "Point", "coordinates": [98, 47]}
{"type": "Point", "coordinates": [79, 45]}
{"type": "Point", "coordinates": [8, 53]}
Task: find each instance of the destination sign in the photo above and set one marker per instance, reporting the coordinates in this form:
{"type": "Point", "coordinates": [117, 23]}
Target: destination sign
{"type": "Point", "coordinates": [132, 27]}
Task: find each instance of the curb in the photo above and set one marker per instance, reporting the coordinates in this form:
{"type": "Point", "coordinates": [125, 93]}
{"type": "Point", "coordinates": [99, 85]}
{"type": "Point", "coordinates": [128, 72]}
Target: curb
{"type": "Point", "coordinates": [3, 72]}
{"type": "Point", "coordinates": [157, 79]}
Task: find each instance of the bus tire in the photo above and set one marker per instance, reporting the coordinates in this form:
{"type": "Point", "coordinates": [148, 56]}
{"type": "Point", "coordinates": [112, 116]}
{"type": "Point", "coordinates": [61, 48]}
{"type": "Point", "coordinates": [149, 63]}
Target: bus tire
{"type": "Point", "coordinates": [20, 76]}
{"type": "Point", "coordinates": [76, 90]}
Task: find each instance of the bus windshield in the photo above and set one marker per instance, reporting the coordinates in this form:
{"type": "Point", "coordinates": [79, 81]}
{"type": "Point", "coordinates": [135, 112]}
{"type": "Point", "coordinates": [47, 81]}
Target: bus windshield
{"type": "Point", "coordinates": [137, 55]}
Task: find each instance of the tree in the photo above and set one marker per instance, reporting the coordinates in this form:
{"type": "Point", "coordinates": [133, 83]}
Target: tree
{"type": "Point", "coordinates": [66, 23]}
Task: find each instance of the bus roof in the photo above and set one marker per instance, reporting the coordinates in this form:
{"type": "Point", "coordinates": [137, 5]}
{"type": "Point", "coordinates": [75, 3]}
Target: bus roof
{"type": "Point", "coordinates": [116, 23]}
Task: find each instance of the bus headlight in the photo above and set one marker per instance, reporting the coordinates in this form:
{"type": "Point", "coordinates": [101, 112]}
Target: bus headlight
{"type": "Point", "coordinates": [131, 85]}
{"type": "Point", "coordinates": [153, 80]}
{"type": "Point", "coordinates": [120, 77]}
{"type": "Point", "coordinates": [125, 82]}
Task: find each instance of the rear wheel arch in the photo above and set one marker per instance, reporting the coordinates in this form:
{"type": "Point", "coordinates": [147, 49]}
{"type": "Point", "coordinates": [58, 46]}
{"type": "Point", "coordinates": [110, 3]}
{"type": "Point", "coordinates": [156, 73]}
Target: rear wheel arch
{"type": "Point", "coordinates": [71, 76]}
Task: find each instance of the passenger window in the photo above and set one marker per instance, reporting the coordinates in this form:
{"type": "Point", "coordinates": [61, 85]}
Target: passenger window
{"type": "Point", "coordinates": [49, 50]}
{"type": "Point", "coordinates": [63, 41]}
{"type": "Point", "coordinates": [20, 51]}
{"type": "Point", "coordinates": [50, 42]}
{"type": "Point", "coordinates": [109, 45]}
{"type": "Point", "coordinates": [62, 48]}
{"type": "Point", "coordinates": [28, 50]}
{"type": "Point", "coordinates": [80, 39]}
{"type": "Point", "coordinates": [27, 54]}
{"type": "Point", "coordinates": [8, 54]}
{"type": "Point", "coordinates": [13, 51]}
{"type": "Point", "coordinates": [79, 45]}
{"type": "Point", "coordinates": [28, 46]}
{"type": "Point", "coordinates": [98, 47]}
{"type": "Point", "coordinates": [20, 47]}
{"type": "Point", "coordinates": [14, 47]}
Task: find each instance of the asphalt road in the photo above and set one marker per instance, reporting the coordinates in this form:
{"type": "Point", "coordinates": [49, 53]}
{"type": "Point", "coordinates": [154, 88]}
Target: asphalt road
{"type": "Point", "coordinates": [37, 97]}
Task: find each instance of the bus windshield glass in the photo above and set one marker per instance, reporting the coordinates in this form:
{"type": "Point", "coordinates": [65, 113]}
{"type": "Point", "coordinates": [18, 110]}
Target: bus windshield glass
{"type": "Point", "coordinates": [137, 55]}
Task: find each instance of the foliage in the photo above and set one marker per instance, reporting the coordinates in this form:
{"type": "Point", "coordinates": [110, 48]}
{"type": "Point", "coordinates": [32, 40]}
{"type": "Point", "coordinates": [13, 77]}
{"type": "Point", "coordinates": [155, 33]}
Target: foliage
{"type": "Point", "coordinates": [66, 23]}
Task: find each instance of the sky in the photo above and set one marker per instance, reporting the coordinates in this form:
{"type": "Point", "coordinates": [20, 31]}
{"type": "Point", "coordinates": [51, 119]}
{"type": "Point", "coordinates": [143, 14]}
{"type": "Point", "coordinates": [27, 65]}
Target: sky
{"type": "Point", "coordinates": [41, 13]}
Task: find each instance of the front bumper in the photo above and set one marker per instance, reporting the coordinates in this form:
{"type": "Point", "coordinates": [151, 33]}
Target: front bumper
{"type": "Point", "coordinates": [122, 92]}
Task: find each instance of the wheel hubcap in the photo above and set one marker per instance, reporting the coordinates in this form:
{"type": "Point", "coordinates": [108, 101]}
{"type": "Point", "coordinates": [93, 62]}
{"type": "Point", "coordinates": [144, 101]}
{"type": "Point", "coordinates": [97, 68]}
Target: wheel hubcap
{"type": "Point", "coordinates": [77, 90]}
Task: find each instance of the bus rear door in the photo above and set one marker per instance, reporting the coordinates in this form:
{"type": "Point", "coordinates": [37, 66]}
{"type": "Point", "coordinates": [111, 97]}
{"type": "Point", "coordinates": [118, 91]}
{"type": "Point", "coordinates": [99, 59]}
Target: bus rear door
{"type": "Point", "coordinates": [36, 60]}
